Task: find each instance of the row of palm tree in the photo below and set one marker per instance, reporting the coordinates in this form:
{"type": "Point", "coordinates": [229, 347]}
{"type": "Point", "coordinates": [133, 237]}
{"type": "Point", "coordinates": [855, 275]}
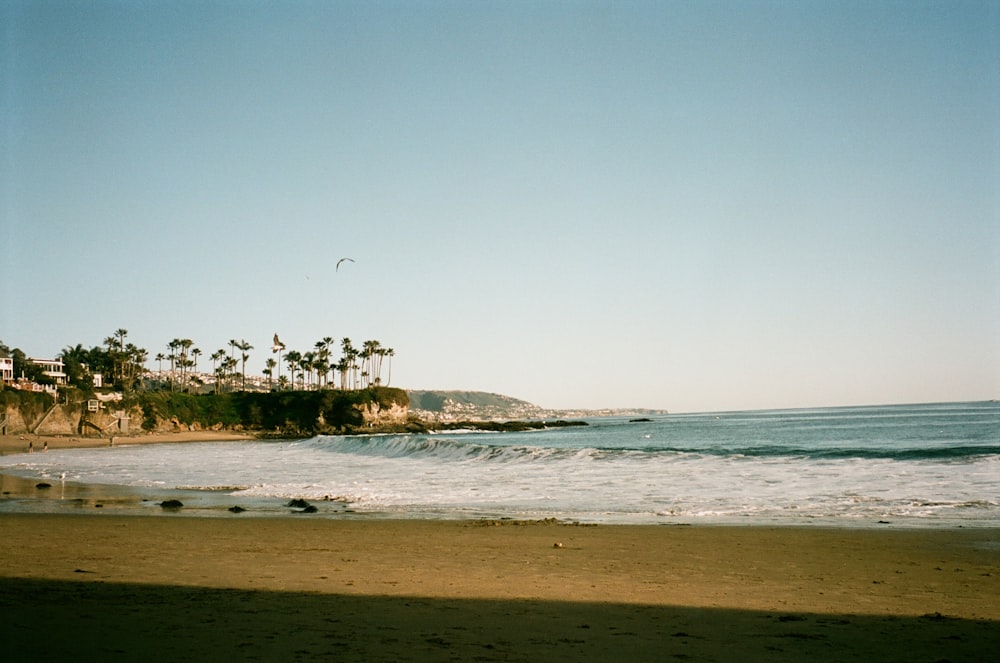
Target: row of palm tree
{"type": "Point", "coordinates": [313, 369]}
{"type": "Point", "coordinates": [316, 369]}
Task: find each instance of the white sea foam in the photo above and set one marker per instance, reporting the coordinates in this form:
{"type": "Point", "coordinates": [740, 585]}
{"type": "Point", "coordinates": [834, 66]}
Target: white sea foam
{"type": "Point", "coordinates": [926, 464]}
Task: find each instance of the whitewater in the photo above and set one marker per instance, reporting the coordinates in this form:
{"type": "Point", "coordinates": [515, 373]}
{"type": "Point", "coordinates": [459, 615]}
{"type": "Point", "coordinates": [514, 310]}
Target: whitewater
{"type": "Point", "coordinates": [909, 465]}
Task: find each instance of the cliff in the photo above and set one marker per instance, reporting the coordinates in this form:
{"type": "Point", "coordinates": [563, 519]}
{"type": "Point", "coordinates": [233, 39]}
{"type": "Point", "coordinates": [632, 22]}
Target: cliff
{"type": "Point", "coordinates": [279, 413]}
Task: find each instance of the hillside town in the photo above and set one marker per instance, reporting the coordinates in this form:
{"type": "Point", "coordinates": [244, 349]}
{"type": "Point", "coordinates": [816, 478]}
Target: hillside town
{"type": "Point", "coordinates": [122, 366]}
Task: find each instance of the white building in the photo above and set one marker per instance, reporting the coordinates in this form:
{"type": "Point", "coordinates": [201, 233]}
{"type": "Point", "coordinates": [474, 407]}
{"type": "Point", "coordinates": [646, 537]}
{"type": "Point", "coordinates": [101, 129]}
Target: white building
{"type": "Point", "coordinates": [52, 368]}
{"type": "Point", "coordinates": [6, 369]}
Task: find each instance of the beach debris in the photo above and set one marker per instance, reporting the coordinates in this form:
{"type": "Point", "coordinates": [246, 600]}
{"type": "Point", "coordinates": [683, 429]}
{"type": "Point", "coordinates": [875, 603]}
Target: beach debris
{"type": "Point", "coordinates": [171, 504]}
{"type": "Point", "coordinates": [43, 484]}
{"type": "Point", "coordinates": [337, 268]}
{"type": "Point", "coordinates": [237, 509]}
{"type": "Point", "coordinates": [557, 545]}
{"type": "Point", "coordinates": [302, 506]}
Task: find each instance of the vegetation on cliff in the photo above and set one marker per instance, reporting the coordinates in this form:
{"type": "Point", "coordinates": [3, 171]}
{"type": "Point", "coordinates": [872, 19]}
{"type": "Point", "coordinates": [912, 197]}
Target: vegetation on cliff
{"type": "Point", "coordinates": [283, 412]}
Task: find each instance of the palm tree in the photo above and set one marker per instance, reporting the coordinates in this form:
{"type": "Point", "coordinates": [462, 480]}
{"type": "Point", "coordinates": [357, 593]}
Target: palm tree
{"type": "Point", "coordinates": [118, 354]}
{"type": "Point", "coordinates": [220, 375]}
{"type": "Point", "coordinates": [173, 345]}
{"type": "Point", "coordinates": [244, 348]}
{"type": "Point", "coordinates": [159, 358]}
{"type": "Point", "coordinates": [351, 355]}
{"type": "Point", "coordinates": [269, 371]}
{"type": "Point", "coordinates": [366, 362]}
{"type": "Point", "coordinates": [293, 357]}
{"type": "Point", "coordinates": [320, 363]}
{"type": "Point", "coordinates": [327, 342]}
{"type": "Point", "coordinates": [390, 353]}
{"type": "Point", "coordinates": [278, 347]}
{"type": "Point", "coordinates": [77, 370]}
{"type": "Point", "coordinates": [374, 360]}
{"type": "Point", "coordinates": [132, 364]}
{"type": "Point", "coordinates": [344, 366]}
{"type": "Point", "coordinates": [217, 356]}
{"type": "Point", "coordinates": [184, 362]}
{"type": "Point", "coordinates": [229, 367]}
{"type": "Point", "coordinates": [306, 364]}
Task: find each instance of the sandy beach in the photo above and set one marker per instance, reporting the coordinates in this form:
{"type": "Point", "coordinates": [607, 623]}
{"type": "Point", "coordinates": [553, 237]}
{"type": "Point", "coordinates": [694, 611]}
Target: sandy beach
{"type": "Point", "coordinates": [21, 443]}
{"type": "Point", "coordinates": [106, 587]}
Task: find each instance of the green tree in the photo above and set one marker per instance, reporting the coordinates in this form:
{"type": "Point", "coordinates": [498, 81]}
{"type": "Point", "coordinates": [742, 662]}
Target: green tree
{"type": "Point", "coordinates": [77, 372]}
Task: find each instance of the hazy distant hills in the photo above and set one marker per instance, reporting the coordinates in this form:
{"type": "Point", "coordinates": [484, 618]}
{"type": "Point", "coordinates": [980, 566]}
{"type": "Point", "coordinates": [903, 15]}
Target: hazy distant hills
{"type": "Point", "coordinates": [481, 405]}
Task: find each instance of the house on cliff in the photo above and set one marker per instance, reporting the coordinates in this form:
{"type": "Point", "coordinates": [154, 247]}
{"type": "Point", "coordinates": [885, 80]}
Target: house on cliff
{"type": "Point", "coordinates": [54, 369]}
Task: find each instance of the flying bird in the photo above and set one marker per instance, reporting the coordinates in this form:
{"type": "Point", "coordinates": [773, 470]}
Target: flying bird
{"type": "Point", "coordinates": [278, 345]}
{"type": "Point", "coordinates": [337, 269]}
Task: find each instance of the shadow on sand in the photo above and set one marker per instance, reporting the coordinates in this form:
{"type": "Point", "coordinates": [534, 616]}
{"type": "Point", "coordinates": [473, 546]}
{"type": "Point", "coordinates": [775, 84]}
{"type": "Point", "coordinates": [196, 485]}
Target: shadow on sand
{"type": "Point", "coordinates": [92, 620]}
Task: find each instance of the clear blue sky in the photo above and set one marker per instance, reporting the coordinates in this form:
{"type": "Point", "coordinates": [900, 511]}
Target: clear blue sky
{"type": "Point", "coordinates": [683, 205]}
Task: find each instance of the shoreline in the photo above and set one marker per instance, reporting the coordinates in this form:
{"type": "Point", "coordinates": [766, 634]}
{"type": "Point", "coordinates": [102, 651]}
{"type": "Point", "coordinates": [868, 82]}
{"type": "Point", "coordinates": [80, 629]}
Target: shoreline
{"type": "Point", "coordinates": [212, 502]}
{"type": "Point", "coordinates": [16, 443]}
{"type": "Point", "coordinates": [101, 585]}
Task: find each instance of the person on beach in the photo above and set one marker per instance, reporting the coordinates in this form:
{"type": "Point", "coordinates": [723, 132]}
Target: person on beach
{"type": "Point", "coordinates": [45, 445]}
{"type": "Point", "coordinates": [31, 447]}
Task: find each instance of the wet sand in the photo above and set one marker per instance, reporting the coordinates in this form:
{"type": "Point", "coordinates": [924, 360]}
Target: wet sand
{"type": "Point", "coordinates": [13, 443]}
{"type": "Point", "coordinates": [107, 587]}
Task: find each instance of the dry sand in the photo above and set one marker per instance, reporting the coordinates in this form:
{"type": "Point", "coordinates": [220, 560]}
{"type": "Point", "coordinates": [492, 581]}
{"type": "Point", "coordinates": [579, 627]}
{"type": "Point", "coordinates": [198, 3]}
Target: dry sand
{"type": "Point", "coordinates": [107, 587]}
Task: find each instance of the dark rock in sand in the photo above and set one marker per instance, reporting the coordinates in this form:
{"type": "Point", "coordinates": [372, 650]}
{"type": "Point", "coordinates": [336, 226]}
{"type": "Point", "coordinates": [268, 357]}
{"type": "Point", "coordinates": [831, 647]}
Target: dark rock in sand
{"type": "Point", "coordinates": [43, 485]}
{"type": "Point", "coordinates": [640, 420]}
{"type": "Point", "coordinates": [237, 509]}
{"type": "Point", "coordinates": [171, 504]}
{"type": "Point", "coordinates": [298, 504]}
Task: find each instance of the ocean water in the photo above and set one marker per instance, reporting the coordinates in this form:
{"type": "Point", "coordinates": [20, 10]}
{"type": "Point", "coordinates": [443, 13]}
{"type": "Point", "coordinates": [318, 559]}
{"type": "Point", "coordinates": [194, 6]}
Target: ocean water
{"type": "Point", "coordinates": [909, 465]}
